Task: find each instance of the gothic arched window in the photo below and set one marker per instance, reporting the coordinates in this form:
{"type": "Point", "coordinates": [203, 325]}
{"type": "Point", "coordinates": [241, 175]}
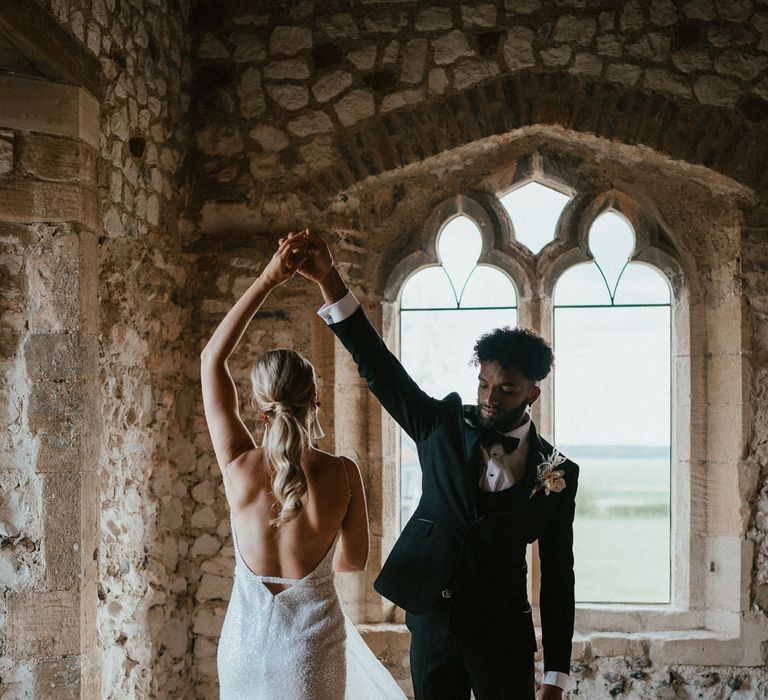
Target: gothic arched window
{"type": "Point", "coordinates": [443, 310]}
{"type": "Point", "coordinates": [612, 396]}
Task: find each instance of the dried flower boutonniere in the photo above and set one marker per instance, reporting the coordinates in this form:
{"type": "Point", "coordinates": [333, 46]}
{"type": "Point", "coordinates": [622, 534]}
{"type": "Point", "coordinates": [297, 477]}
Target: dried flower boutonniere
{"type": "Point", "coordinates": [548, 476]}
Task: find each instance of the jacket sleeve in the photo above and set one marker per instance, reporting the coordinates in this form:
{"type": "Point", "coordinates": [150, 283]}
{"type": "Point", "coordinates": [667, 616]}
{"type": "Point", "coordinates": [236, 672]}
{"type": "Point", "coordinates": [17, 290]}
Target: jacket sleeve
{"type": "Point", "coordinates": [556, 596]}
{"type": "Point", "coordinates": [414, 410]}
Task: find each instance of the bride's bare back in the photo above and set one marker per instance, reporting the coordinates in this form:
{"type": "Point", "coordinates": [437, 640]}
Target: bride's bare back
{"type": "Point", "coordinates": [334, 501]}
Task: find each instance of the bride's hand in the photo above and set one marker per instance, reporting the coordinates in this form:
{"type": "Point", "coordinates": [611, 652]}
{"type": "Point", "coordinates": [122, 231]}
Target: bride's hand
{"type": "Point", "coordinates": [289, 257]}
{"type": "Point", "coordinates": [319, 261]}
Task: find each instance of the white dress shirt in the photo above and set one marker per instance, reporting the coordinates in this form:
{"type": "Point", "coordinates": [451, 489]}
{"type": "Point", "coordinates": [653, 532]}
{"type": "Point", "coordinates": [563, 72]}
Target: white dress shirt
{"type": "Point", "coordinates": [503, 470]}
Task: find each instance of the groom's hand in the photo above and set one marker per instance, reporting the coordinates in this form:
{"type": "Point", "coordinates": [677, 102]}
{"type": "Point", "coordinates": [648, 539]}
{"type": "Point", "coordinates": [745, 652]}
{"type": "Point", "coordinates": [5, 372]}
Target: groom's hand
{"type": "Point", "coordinates": [550, 692]}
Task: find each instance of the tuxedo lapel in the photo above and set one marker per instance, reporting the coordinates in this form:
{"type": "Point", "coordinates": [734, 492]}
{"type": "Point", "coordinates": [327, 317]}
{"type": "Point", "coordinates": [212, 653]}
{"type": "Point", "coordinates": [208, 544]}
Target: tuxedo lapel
{"type": "Point", "coordinates": [472, 457]}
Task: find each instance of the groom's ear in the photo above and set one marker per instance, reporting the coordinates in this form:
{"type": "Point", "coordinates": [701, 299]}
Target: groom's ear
{"type": "Point", "coordinates": [534, 394]}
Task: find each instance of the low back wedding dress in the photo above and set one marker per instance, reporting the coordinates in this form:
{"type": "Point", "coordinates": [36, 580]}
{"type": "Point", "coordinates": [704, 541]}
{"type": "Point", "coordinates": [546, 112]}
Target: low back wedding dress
{"type": "Point", "coordinates": [296, 644]}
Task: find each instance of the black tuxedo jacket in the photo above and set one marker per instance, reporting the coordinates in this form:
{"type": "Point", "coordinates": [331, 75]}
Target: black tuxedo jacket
{"type": "Point", "coordinates": [447, 543]}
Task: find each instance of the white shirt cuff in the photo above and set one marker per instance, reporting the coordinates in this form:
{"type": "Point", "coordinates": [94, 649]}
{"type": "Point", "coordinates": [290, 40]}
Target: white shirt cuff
{"type": "Point", "coordinates": [561, 680]}
{"type": "Point", "coordinates": [340, 310]}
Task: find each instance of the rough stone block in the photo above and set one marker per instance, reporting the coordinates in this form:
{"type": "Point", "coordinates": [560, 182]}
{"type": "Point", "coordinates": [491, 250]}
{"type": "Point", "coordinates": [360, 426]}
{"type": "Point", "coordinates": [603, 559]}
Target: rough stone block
{"type": "Point", "coordinates": [43, 624]}
{"type": "Point", "coordinates": [58, 679]}
{"type": "Point", "coordinates": [518, 48]}
{"type": "Point", "coordinates": [735, 10]}
{"type": "Point", "coordinates": [66, 497]}
{"type": "Point", "coordinates": [478, 15]}
{"type": "Point", "coordinates": [385, 22]}
{"type": "Point", "coordinates": [402, 98]}
{"type": "Point", "coordinates": [339, 26]}
{"type": "Point", "coordinates": [319, 153]}
{"type": "Point", "coordinates": [67, 356]}
{"type": "Point", "coordinates": [364, 58]}
{"type": "Point", "coordinates": [663, 12]}
{"type": "Point", "coordinates": [248, 47]}
{"type": "Point", "coordinates": [712, 90]}
{"type": "Point", "coordinates": [290, 40]}
{"type": "Point", "coordinates": [739, 64]}
{"type": "Point", "coordinates": [290, 97]}
{"type": "Point", "coordinates": [622, 73]}
{"type": "Point", "coordinates": [631, 18]}
{"type": "Point", "coordinates": [434, 19]}
{"type": "Point", "coordinates": [438, 81]}
{"type": "Point", "coordinates": [586, 64]}
{"type": "Point", "coordinates": [206, 545]}
{"type": "Point", "coordinates": [29, 201]}
{"type": "Point", "coordinates": [309, 124]}
{"type": "Point", "coordinates": [49, 108]}
{"type": "Point", "coordinates": [450, 47]}
{"type": "Point", "coordinates": [661, 80]}
{"type": "Point", "coordinates": [214, 588]}
{"type": "Point", "coordinates": [331, 85]}
{"type": "Point", "coordinates": [556, 56]}
{"type": "Point", "coordinates": [414, 58]}
{"type": "Point", "coordinates": [354, 107]}
{"type": "Point", "coordinates": [391, 52]}
{"type": "Point", "coordinates": [208, 622]}
{"type": "Point", "coordinates": [57, 158]}
{"type": "Point", "coordinates": [609, 45]}
{"type": "Point", "coordinates": [251, 94]}
{"type": "Point", "coordinates": [289, 69]}
{"type": "Point", "coordinates": [571, 28]}
{"type": "Point", "coordinates": [6, 151]}
{"type": "Point", "coordinates": [62, 408]}
{"type": "Point", "coordinates": [471, 72]}
{"type": "Point", "coordinates": [691, 61]}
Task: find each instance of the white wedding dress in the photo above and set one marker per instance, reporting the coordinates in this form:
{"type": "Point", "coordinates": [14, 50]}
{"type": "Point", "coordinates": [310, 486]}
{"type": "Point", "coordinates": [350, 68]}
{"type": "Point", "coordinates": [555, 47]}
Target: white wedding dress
{"type": "Point", "coordinates": [296, 644]}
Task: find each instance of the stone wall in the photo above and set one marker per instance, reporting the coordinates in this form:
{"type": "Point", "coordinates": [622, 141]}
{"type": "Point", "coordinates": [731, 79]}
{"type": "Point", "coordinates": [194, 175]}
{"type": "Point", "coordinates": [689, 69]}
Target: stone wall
{"type": "Point", "coordinates": [131, 357]}
{"type": "Point", "coordinates": [360, 118]}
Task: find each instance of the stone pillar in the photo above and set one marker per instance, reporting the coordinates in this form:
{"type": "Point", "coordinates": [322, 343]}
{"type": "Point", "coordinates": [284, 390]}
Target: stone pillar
{"type": "Point", "coordinates": [50, 194]}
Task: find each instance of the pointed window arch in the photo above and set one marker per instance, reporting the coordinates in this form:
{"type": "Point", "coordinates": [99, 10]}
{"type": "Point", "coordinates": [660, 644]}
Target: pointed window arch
{"type": "Point", "coordinates": [612, 388]}
{"type": "Point", "coordinates": [443, 310]}
{"type": "Point", "coordinates": [534, 210]}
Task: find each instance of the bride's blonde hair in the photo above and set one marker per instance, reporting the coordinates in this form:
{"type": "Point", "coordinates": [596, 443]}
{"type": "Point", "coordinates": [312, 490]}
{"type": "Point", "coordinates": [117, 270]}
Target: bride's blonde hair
{"type": "Point", "coordinates": [284, 387]}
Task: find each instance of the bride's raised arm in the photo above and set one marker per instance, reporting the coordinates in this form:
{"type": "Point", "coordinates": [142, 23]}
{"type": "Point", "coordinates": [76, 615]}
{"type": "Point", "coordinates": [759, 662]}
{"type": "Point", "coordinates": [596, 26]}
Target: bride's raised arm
{"type": "Point", "coordinates": [229, 434]}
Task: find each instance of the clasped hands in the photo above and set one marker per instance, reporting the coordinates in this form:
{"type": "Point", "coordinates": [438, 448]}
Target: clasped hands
{"type": "Point", "coordinates": [300, 251]}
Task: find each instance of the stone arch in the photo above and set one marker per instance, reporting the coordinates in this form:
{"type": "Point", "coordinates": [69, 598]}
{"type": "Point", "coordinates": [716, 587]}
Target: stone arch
{"type": "Point", "coordinates": [495, 231]}
{"type": "Point", "coordinates": [675, 127]}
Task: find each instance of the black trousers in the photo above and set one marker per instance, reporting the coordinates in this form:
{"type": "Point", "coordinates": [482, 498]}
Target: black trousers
{"type": "Point", "coordinates": [445, 667]}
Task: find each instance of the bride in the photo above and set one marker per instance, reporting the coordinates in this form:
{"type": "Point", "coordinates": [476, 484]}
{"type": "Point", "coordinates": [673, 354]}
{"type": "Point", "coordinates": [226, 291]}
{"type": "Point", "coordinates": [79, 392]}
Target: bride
{"type": "Point", "coordinates": [298, 514]}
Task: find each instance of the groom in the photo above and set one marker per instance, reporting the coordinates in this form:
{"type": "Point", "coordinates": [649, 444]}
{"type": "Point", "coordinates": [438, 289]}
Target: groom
{"type": "Point", "coordinates": [491, 485]}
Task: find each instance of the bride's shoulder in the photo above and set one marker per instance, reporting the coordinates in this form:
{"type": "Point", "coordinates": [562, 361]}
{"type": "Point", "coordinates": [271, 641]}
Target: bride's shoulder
{"type": "Point", "coordinates": [248, 466]}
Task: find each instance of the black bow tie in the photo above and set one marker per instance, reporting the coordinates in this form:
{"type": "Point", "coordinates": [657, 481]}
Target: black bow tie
{"type": "Point", "coordinates": [490, 437]}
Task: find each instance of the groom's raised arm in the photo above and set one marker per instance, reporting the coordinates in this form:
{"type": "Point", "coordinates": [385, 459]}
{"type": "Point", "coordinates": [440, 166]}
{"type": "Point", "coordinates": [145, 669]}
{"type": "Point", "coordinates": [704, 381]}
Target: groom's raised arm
{"type": "Point", "coordinates": [415, 411]}
{"type": "Point", "coordinates": [400, 396]}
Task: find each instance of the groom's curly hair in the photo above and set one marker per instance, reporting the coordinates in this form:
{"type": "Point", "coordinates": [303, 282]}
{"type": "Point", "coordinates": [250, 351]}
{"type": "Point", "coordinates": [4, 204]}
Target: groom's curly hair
{"type": "Point", "coordinates": [516, 347]}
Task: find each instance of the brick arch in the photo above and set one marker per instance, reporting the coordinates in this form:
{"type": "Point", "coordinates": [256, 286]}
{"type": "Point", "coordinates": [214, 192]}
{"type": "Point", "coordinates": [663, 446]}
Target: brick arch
{"type": "Point", "coordinates": [731, 142]}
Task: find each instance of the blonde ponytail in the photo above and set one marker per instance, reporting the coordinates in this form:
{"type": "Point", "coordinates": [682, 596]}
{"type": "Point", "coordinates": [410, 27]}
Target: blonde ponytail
{"type": "Point", "coordinates": [284, 388]}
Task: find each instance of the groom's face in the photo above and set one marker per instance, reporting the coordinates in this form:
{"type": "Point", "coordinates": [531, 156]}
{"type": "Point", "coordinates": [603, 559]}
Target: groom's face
{"type": "Point", "coordinates": [503, 394]}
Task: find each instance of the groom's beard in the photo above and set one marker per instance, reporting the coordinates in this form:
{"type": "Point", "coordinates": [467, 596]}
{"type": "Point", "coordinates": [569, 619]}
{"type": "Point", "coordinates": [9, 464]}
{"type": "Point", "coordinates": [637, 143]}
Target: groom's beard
{"type": "Point", "coordinates": [504, 421]}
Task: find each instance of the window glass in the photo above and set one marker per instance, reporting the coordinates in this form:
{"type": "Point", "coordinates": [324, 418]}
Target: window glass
{"type": "Point", "coordinates": [534, 210]}
{"type": "Point", "coordinates": [612, 388]}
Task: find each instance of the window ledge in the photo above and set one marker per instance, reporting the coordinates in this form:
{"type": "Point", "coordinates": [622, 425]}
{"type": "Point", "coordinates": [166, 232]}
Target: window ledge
{"type": "Point", "coordinates": [636, 618]}
{"type": "Point", "coordinates": [697, 647]}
